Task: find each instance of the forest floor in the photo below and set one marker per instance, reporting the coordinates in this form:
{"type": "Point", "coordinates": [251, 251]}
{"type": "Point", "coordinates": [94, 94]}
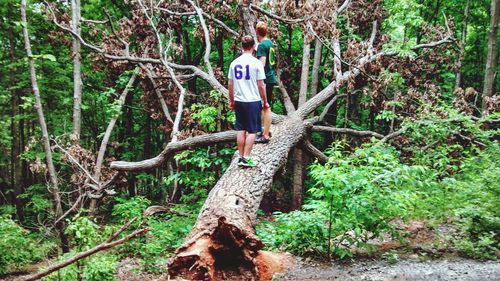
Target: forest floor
{"type": "Point", "coordinates": [403, 270]}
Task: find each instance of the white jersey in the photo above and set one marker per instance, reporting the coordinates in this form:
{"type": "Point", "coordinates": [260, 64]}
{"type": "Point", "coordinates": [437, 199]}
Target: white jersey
{"type": "Point", "coordinates": [245, 71]}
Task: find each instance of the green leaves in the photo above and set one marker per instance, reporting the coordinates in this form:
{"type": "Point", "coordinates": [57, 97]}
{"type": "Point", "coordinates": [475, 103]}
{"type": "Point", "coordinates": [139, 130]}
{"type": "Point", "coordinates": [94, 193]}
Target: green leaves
{"type": "Point", "coordinates": [45, 57]}
{"type": "Point", "coordinates": [402, 24]}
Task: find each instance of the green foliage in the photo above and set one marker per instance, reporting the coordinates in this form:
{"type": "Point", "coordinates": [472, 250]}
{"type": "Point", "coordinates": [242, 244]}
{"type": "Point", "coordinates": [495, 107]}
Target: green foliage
{"type": "Point", "coordinates": [18, 246]}
{"type": "Point", "coordinates": [167, 231]}
{"type": "Point", "coordinates": [85, 234]}
{"type": "Point", "coordinates": [299, 232]}
{"type": "Point", "coordinates": [401, 25]}
{"type": "Point", "coordinates": [355, 198]}
{"type": "Point", "coordinates": [127, 209]}
{"type": "Point", "coordinates": [359, 194]}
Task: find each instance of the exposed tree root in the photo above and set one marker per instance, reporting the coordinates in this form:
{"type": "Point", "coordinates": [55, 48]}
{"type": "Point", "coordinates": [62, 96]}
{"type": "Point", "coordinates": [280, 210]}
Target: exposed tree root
{"type": "Point", "coordinates": [226, 254]}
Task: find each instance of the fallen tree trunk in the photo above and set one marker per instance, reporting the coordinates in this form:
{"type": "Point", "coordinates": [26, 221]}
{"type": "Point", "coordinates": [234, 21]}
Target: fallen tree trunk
{"type": "Point", "coordinates": [223, 242]}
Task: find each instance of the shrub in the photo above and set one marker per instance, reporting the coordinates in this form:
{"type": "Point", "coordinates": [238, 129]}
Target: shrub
{"type": "Point", "coordinates": [17, 246]}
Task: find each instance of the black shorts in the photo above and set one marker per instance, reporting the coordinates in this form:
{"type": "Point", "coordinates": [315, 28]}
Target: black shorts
{"type": "Point", "coordinates": [248, 116]}
{"type": "Point", "coordinates": [269, 93]}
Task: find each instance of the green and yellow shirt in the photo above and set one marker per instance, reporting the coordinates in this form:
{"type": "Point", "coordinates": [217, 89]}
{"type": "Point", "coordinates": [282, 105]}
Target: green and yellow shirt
{"type": "Point", "coordinates": [266, 48]}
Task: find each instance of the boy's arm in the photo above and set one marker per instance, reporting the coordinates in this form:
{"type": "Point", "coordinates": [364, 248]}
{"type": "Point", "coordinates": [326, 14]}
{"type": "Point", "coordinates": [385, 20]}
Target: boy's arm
{"type": "Point", "coordinates": [230, 88]}
{"type": "Point", "coordinates": [262, 92]}
{"type": "Point", "coordinates": [263, 60]}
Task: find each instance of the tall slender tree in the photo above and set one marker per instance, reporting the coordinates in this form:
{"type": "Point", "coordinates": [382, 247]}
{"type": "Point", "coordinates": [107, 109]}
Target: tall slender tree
{"type": "Point", "coordinates": [491, 60]}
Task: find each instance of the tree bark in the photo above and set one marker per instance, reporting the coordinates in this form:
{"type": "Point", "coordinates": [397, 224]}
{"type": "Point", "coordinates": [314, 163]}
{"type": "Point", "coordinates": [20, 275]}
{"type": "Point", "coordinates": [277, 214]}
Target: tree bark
{"type": "Point", "coordinates": [298, 157]}
{"type": "Point", "coordinates": [77, 75]}
{"type": "Point", "coordinates": [223, 238]}
{"type": "Point", "coordinates": [304, 77]}
{"type": "Point", "coordinates": [298, 179]}
{"type": "Point", "coordinates": [54, 185]}
{"type": "Point", "coordinates": [463, 41]}
{"type": "Point", "coordinates": [315, 69]}
{"type": "Point", "coordinates": [491, 60]}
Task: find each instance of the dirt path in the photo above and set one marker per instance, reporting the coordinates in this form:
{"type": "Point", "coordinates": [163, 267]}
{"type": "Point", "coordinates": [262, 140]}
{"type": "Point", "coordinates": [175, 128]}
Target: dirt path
{"type": "Point", "coordinates": [404, 270]}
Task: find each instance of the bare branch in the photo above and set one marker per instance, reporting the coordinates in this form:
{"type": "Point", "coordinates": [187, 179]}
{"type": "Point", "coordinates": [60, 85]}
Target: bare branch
{"type": "Point", "coordinates": [347, 131]}
{"type": "Point", "coordinates": [328, 106]}
{"type": "Point", "coordinates": [72, 159]}
{"type": "Point", "coordinates": [134, 59]}
{"type": "Point", "coordinates": [393, 135]}
{"type": "Point", "coordinates": [101, 247]}
{"type": "Point", "coordinates": [73, 207]}
{"type": "Point", "coordinates": [343, 7]}
{"type": "Point", "coordinates": [206, 57]}
{"type": "Point", "coordinates": [115, 33]}
{"type": "Point", "coordinates": [289, 107]}
{"type": "Point", "coordinates": [315, 152]}
{"type": "Point", "coordinates": [372, 36]}
{"type": "Point", "coordinates": [109, 129]}
{"type": "Point", "coordinates": [93, 21]}
{"type": "Point", "coordinates": [163, 104]}
{"type": "Point", "coordinates": [193, 13]}
{"type": "Point", "coordinates": [276, 17]}
{"type": "Point", "coordinates": [172, 148]}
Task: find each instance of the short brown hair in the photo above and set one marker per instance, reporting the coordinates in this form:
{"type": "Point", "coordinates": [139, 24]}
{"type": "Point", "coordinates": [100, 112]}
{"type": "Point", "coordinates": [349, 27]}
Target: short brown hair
{"type": "Point", "coordinates": [247, 42]}
{"type": "Point", "coordinates": [261, 28]}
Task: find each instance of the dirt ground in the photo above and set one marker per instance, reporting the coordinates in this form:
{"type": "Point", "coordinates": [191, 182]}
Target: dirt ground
{"type": "Point", "coordinates": [404, 270]}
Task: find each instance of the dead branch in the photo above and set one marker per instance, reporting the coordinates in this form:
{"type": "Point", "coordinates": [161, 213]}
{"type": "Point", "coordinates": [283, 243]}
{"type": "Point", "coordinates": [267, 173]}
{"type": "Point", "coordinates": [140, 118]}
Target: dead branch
{"type": "Point", "coordinates": [347, 131]}
{"type": "Point", "coordinates": [72, 159]}
{"type": "Point", "coordinates": [276, 17]}
{"type": "Point", "coordinates": [206, 34]}
{"type": "Point", "coordinates": [329, 105]}
{"type": "Point", "coordinates": [393, 135]}
{"type": "Point", "coordinates": [343, 7]}
{"type": "Point", "coordinates": [109, 243]}
{"type": "Point", "coordinates": [315, 152]}
{"type": "Point", "coordinates": [205, 14]}
{"type": "Point", "coordinates": [93, 21]}
{"type": "Point", "coordinates": [287, 101]}
{"type": "Point", "coordinates": [163, 104]}
{"type": "Point", "coordinates": [172, 148]}
{"type": "Point", "coordinates": [109, 129]}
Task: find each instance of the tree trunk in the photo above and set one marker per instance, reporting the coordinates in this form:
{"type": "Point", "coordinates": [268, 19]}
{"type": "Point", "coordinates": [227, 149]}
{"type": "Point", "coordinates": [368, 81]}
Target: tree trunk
{"type": "Point", "coordinates": [315, 69]}
{"type": "Point", "coordinates": [220, 48]}
{"type": "Point", "coordinates": [223, 239]}
{"type": "Point", "coordinates": [298, 159]}
{"type": "Point", "coordinates": [491, 60]}
{"type": "Point", "coordinates": [463, 41]}
{"type": "Point", "coordinates": [305, 71]}
{"type": "Point", "coordinates": [54, 185]}
{"type": "Point", "coordinates": [298, 179]}
{"type": "Point", "coordinates": [77, 76]}
{"type": "Point", "coordinates": [16, 168]}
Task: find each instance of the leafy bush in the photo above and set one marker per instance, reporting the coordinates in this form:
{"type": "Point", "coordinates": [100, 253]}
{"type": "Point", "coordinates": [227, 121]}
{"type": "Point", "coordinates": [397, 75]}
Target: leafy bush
{"type": "Point", "coordinates": [355, 198]}
{"type": "Point", "coordinates": [85, 234]}
{"type": "Point", "coordinates": [17, 246]}
{"type": "Point", "coordinates": [299, 232]}
{"type": "Point", "coordinates": [167, 230]}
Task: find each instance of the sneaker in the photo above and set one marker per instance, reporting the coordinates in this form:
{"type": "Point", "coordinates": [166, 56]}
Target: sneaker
{"type": "Point", "coordinates": [261, 139]}
{"type": "Point", "coordinates": [247, 162]}
{"type": "Point", "coordinates": [260, 134]}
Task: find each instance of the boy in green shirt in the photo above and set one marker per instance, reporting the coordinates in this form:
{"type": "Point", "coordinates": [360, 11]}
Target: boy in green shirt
{"type": "Point", "coordinates": [267, 55]}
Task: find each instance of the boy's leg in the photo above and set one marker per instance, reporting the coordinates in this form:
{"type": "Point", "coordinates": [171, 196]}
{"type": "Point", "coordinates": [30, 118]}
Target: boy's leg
{"type": "Point", "coordinates": [249, 141]}
{"type": "Point", "coordinates": [266, 112]}
{"type": "Point", "coordinates": [266, 116]}
{"type": "Point", "coordinates": [240, 140]}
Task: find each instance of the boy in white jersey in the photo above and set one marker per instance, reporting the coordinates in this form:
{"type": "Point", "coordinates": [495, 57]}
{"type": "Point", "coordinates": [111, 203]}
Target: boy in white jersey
{"type": "Point", "coordinates": [247, 93]}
